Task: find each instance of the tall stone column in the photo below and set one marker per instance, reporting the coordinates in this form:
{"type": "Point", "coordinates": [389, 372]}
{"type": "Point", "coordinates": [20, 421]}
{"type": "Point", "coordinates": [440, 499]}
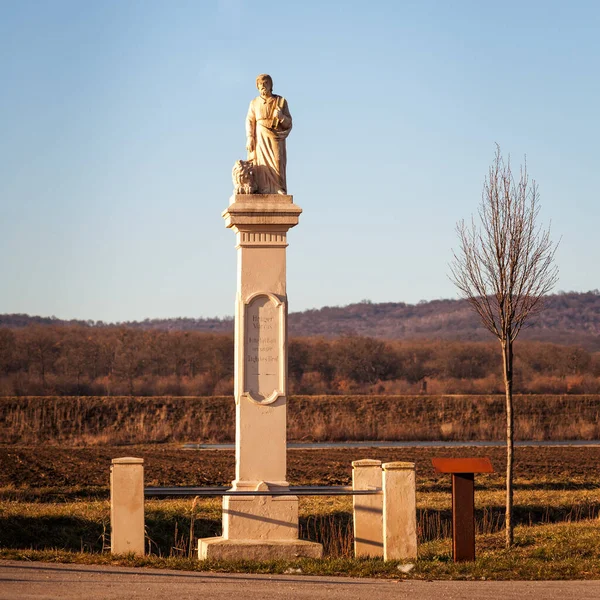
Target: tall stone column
{"type": "Point", "coordinates": [260, 527]}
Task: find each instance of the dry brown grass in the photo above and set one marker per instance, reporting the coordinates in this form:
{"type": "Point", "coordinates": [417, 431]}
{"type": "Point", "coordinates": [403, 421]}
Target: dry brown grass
{"type": "Point", "coordinates": [135, 420]}
{"type": "Point", "coordinates": [174, 526]}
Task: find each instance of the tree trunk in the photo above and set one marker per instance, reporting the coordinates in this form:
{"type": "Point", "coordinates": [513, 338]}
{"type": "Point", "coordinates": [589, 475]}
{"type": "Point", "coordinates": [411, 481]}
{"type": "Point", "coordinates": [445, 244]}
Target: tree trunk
{"type": "Point", "coordinates": [507, 356]}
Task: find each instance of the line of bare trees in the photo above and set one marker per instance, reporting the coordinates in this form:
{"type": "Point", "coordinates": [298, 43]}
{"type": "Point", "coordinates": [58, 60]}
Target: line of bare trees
{"type": "Point", "coordinates": [80, 360]}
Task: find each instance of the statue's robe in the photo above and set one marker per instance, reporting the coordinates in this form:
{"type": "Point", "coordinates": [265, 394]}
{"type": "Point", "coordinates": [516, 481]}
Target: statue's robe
{"type": "Point", "coordinates": [269, 154]}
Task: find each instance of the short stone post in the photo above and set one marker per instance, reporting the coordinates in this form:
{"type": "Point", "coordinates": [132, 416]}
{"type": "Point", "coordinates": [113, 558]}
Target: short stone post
{"type": "Point", "coordinates": [127, 506]}
{"type": "Point", "coordinates": [368, 510]}
{"type": "Point", "coordinates": [399, 511]}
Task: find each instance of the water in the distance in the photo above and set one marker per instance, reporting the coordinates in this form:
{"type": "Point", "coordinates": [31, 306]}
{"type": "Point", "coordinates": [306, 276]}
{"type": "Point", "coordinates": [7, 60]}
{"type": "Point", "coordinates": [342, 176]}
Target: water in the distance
{"type": "Point", "coordinates": [410, 444]}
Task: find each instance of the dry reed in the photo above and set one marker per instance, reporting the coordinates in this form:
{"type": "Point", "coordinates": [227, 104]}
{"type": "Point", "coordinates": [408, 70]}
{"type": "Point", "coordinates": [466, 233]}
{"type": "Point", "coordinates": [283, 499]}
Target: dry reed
{"type": "Point", "coordinates": [138, 420]}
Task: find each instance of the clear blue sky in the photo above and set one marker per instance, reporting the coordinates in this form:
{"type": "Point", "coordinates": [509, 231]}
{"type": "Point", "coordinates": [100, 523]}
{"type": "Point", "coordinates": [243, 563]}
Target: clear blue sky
{"type": "Point", "coordinates": [120, 122]}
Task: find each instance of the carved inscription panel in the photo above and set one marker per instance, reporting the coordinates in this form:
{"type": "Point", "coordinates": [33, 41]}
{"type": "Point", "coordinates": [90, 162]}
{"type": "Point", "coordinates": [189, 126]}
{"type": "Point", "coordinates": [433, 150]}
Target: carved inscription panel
{"type": "Point", "coordinates": [262, 345]}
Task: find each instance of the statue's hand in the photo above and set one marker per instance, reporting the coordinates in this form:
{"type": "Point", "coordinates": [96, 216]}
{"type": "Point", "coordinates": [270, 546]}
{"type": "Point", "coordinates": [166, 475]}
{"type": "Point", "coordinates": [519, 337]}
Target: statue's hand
{"type": "Point", "coordinates": [277, 114]}
{"type": "Point", "coordinates": [250, 145]}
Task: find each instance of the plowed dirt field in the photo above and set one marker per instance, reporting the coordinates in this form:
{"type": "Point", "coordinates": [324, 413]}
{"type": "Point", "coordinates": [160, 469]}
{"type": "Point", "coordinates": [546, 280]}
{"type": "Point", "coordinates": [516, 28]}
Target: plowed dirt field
{"type": "Point", "coordinates": [79, 472]}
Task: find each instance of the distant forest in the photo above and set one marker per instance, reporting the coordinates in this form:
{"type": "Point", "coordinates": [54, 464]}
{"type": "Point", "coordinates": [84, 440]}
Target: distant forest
{"type": "Point", "coordinates": [339, 351]}
{"type": "Point", "coordinates": [568, 318]}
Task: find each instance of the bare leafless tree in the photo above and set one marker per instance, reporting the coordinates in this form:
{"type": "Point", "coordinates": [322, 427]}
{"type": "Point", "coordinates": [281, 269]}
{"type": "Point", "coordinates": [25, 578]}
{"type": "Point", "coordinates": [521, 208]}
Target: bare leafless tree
{"type": "Point", "coordinates": [504, 267]}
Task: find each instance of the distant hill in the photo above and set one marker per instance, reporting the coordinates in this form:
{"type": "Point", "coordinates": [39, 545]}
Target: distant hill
{"type": "Point", "coordinates": [568, 318]}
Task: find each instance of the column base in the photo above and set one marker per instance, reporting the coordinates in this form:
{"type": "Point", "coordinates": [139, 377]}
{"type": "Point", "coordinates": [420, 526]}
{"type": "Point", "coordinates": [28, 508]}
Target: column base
{"type": "Point", "coordinates": [260, 518]}
{"type": "Point", "coordinates": [219, 548]}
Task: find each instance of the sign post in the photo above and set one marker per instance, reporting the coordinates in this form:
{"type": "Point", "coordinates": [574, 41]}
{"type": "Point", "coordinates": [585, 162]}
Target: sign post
{"type": "Point", "coordinates": [463, 501]}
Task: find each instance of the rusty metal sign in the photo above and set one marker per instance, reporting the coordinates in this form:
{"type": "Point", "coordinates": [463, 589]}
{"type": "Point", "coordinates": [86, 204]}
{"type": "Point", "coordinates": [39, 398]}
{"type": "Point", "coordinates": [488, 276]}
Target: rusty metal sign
{"type": "Point", "coordinates": [462, 465]}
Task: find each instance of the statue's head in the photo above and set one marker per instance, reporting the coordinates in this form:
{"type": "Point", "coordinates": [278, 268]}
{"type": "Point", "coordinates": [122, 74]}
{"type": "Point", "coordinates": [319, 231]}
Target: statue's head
{"type": "Point", "coordinates": [264, 83]}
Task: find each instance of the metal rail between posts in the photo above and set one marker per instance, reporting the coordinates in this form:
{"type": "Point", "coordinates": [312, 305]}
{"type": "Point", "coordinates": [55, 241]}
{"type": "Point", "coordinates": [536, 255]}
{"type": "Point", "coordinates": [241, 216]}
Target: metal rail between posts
{"type": "Point", "coordinates": [301, 490]}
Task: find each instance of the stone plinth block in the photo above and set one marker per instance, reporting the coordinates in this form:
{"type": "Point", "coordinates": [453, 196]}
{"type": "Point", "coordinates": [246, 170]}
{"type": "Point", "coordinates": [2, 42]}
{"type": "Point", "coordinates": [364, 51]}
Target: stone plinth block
{"type": "Point", "coordinates": [127, 506]}
{"type": "Point", "coordinates": [260, 518]}
{"type": "Point", "coordinates": [368, 510]}
{"type": "Point", "coordinates": [399, 511]}
{"type": "Point", "coordinates": [219, 548]}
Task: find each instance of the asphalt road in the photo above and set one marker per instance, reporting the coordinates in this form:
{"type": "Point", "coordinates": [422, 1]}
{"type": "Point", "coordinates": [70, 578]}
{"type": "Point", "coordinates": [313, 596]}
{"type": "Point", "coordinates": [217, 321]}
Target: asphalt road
{"type": "Point", "coordinates": [49, 581]}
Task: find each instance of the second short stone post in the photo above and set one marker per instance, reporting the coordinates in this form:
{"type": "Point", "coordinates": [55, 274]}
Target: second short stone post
{"type": "Point", "coordinates": [368, 510]}
{"type": "Point", "coordinates": [127, 506]}
{"type": "Point", "coordinates": [399, 511]}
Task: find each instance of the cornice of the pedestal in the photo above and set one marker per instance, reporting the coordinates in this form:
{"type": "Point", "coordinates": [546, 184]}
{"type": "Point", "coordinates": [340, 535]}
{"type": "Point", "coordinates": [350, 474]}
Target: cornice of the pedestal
{"type": "Point", "coordinates": [261, 209]}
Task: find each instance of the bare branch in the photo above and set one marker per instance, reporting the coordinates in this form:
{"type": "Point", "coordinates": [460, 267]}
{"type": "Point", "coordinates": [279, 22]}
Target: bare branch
{"type": "Point", "coordinates": [505, 262]}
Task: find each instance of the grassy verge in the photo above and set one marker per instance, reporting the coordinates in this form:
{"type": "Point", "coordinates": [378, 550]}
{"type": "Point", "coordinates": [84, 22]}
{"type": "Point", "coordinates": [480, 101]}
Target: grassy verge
{"type": "Point", "coordinates": [556, 551]}
{"type": "Point", "coordinates": [557, 540]}
{"type": "Point", "coordinates": [174, 526]}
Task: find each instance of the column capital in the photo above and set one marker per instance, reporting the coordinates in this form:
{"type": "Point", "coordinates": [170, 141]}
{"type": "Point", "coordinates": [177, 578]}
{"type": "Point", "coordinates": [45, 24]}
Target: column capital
{"type": "Point", "coordinates": [261, 212]}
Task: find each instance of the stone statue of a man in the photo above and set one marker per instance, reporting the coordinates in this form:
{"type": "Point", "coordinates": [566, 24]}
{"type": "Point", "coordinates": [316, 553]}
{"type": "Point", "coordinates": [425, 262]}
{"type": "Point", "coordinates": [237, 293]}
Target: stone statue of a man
{"type": "Point", "coordinates": [268, 124]}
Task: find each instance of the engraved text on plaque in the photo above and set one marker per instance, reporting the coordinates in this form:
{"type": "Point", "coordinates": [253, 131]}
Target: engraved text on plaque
{"type": "Point", "coordinates": [263, 348]}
